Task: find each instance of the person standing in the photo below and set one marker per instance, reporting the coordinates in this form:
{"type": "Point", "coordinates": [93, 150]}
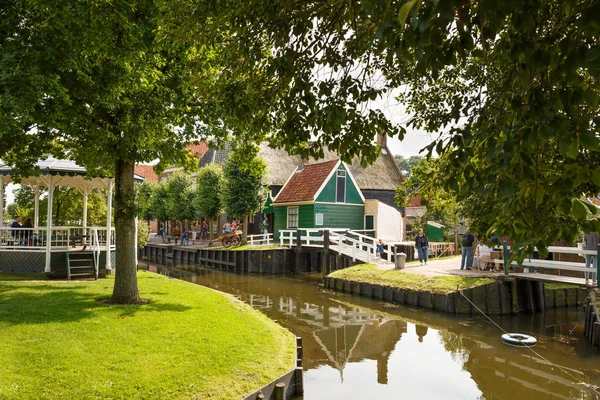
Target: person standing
{"type": "Point", "coordinates": [590, 241]}
{"type": "Point", "coordinates": [204, 231]}
{"type": "Point", "coordinates": [194, 232]}
{"type": "Point", "coordinates": [265, 227]}
{"type": "Point", "coordinates": [421, 243]}
{"type": "Point", "coordinates": [467, 250]}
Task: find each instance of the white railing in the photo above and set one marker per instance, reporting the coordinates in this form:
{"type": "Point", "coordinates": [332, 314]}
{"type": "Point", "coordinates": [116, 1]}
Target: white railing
{"type": "Point", "coordinates": [96, 249]}
{"type": "Point", "coordinates": [60, 238]}
{"type": "Point", "coordinates": [351, 243]}
{"type": "Point", "coordinates": [555, 264]}
{"type": "Point", "coordinates": [308, 236]}
{"type": "Point", "coordinates": [32, 239]}
{"type": "Point", "coordinates": [261, 239]}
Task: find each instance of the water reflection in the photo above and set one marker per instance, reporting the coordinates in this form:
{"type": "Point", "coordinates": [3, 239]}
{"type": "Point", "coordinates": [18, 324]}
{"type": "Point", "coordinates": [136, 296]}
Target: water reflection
{"type": "Point", "coordinates": [356, 348]}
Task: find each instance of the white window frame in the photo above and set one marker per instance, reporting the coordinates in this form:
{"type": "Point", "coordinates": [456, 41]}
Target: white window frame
{"type": "Point", "coordinates": [317, 216]}
{"type": "Point", "coordinates": [337, 175]}
{"type": "Point", "coordinates": [297, 217]}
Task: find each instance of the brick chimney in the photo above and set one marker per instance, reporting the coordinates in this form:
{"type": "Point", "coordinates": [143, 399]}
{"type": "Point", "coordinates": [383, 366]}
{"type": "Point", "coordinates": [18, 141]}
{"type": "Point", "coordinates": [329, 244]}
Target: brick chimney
{"type": "Point", "coordinates": [382, 140]}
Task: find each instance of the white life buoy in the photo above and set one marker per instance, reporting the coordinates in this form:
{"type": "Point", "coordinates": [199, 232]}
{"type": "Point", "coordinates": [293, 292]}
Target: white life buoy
{"type": "Point", "coordinates": [519, 339]}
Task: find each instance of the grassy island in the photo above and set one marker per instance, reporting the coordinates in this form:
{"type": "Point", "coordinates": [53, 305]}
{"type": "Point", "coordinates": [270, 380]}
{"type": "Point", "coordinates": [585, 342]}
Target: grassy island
{"type": "Point", "coordinates": [368, 273]}
{"type": "Point", "coordinates": [61, 340]}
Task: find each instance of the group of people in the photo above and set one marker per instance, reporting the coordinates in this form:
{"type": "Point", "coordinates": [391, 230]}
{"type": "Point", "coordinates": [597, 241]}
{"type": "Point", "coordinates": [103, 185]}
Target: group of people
{"type": "Point", "coordinates": [422, 246]}
{"type": "Point", "coordinates": [24, 236]}
{"type": "Point", "coordinates": [193, 233]}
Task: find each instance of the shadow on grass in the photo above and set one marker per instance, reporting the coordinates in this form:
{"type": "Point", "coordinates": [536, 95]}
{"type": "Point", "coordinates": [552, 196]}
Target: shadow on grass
{"type": "Point", "coordinates": [39, 304]}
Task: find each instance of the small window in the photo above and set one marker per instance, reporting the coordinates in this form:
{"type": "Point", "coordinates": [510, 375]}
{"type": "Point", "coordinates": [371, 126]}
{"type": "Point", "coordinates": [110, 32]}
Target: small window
{"type": "Point", "coordinates": [369, 222]}
{"type": "Point", "coordinates": [318, 219]}
{"type": "Point", "coordinates": [341, 187]}
{"type": "Point", "coordinates": [292, 222]}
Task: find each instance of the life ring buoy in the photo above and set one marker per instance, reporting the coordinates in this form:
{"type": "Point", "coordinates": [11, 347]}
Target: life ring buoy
{"type": "Point", "coordinates": [519, 339]}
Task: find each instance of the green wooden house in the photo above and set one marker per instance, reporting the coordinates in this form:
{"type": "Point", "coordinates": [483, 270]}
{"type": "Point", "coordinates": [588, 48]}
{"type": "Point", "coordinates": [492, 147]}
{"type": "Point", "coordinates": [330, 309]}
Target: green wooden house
{"type": "Point", "coordinates": [321, 195]}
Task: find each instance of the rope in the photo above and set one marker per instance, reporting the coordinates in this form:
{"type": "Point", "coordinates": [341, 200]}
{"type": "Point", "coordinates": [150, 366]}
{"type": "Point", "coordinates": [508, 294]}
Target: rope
{"type": "Point", "coordinates": [577, 323]}
{"type": "Point", "coordinates": [575, 378]}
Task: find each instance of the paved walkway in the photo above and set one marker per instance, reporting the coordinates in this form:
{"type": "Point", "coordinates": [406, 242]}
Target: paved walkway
{"type": "Point", "coordinates": [451, 267]}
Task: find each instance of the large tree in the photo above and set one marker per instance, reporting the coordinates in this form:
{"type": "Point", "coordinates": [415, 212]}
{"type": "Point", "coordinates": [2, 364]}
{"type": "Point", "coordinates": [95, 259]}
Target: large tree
{"type": "Point", "coordinates": [512, 85]}
{"type": "Point", "coordinates": [99, 83]}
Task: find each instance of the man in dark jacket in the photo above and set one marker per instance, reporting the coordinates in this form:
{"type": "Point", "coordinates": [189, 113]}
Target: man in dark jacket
{"type": "Point", "coordinates": [467, 249]}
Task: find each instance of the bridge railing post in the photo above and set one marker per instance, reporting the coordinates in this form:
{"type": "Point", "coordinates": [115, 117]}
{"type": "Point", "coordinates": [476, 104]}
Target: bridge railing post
{"type": "Point", "coordinates": [505, 247]}
{"type": "Point", "coordinates": [597, 266]}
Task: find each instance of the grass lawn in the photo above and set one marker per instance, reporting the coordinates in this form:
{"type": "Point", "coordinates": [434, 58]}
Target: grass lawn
{"type": "Point", "coordinates": [558, 285]}
{"type": "Point", "coordinates": [440, 284]}
{"type": "Point", "coordinates": [58, 341]}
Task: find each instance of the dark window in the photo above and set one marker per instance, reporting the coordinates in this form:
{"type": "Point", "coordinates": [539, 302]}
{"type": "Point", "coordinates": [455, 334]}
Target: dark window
{"type": "Point", "coordinates": [369, 222]}
{"type": "Point", "coordinates": [341, 187]}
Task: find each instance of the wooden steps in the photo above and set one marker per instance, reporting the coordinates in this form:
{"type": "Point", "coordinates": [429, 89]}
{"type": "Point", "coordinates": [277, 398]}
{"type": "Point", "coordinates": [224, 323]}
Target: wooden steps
{"type": "Point", "coordinates": [81, 265]}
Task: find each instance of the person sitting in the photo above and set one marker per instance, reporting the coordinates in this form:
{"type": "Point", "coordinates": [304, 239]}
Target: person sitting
{"type": "Point", "coordinates": [16, 233]}
{"type": "Point", "coordinates": [379, 249]}
{"type": "Point", "coordinates": [226, 229]}
{"type": "Point", "coordinates": [27, 233]}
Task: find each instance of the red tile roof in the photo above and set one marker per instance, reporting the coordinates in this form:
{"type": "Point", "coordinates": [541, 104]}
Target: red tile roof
{"type": "Point", "coordinates": [304, 184]}
{"type": "Point", "coordinates": [415, 201]}
{"type": "Point", "coordinates": [147, 171]}
{"type": "Point", "coordinates": [198, 149]}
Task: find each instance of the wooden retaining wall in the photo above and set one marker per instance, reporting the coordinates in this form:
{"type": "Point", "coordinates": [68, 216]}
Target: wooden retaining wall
{"type": "Point", "coordinates": [506, 296]}
{"type": "Point", "coordinates": [591, 323]}
{"type": "Point", "coordinates": [289, 385]}
{"type": "Point", "coordinates": [265, 261]}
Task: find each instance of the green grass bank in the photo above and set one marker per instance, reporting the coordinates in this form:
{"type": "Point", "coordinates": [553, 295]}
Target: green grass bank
{"type": "Point", "coordinates": [368, 273]}
{"type": "Point", "coordinates": [59, 340]}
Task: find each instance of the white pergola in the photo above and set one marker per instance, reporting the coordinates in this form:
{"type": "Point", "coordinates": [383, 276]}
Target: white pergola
{"type": "Point", "coordinates": [66, 173]}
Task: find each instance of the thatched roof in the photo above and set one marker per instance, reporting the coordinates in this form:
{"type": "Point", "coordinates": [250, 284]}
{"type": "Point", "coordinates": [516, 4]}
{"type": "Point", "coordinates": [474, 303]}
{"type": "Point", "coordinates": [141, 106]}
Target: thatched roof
{"type": "Point", "coordinates": [383, 174]}
{"type": "Point", "coordinates": [280, 164]}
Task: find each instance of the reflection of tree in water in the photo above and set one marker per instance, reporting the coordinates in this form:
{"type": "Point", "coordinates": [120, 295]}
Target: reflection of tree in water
{"type": "Point", "coordinates": [453, 344]}
{"type": "Point", "coordinates": [421, 331]}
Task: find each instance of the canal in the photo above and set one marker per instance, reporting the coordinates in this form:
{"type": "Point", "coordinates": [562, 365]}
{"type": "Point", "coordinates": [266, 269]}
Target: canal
{"type": "Point", "coordinates": [356, 348]}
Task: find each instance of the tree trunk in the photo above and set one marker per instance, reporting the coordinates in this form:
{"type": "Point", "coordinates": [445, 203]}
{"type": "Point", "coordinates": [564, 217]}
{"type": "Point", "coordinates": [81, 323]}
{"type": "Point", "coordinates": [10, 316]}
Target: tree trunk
{"type": "Point", "coordinates": [245, 230]}
{"type": "Point", "coordinates": [126, 288]}
{"type": "Point", "coordinates": [211, 228]}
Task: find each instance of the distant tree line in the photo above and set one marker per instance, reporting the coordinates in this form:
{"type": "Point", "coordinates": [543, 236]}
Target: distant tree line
{"type": "Point", "coordinates": [235, 189]}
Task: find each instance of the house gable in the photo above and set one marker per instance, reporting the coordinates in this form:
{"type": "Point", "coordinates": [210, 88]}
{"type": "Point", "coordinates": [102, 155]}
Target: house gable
{"type": "Point", "coordinates": [329, 191]}
{"type": "Point", "coordinates": [305, 184]}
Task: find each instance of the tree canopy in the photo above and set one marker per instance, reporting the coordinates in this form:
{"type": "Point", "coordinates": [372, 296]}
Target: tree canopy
{"type": "Point", "coordinates": [99, 83]}
{"type": "Point", "coordinates": [406, 164]}
{"type": "Point", "coordinates": [442, 205]}
{"type": "Point", "coordinates": [511, 87]}
{"type": "Point", "coordinates": [244, 176]}
{"type": "Point", "coordinates": [208, 193]}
